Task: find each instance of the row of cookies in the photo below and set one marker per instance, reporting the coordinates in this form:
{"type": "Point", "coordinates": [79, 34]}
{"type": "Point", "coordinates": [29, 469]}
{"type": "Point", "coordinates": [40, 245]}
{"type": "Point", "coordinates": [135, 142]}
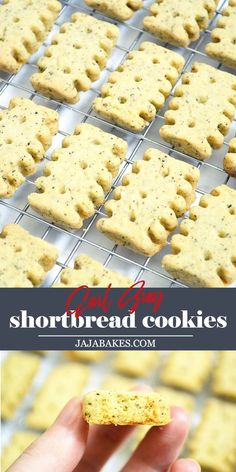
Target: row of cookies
{"type": "Point", "coordinates": [178, 23]}
{"type": "Point", "coordinates": [218, 415]}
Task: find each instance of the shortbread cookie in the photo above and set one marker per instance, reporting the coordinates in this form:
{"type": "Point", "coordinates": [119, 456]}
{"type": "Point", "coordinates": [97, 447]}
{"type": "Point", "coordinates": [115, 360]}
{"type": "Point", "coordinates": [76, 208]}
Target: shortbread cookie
{"type": "Point", "coordinates": [224, 375]}
{"type": "Point", "coordinates": [204, 253]}
{"type": "Point", "coordinates": [187, 370]}
{"type": "Point", "coordinates": [201, 111]}
{"type": "Point", "coordinates": [18, 371]}
{"type": "Point", "coordinates": [118, 383]}
{"type": "Point", "coordinates": [125, 408]}
{"type": "Point", "coordinates": [17, 445]}
{"type": "Point", "coordinates": [77, 177]}
{"type": "Point", "coordinates": [86, 356]}
{"type": "Point", "coordinates": [122, 10]}
{"type": "Point", "coordinates": [145, 209]}
{"type": "Point", "coordinates": [223, 45]}
{"type": "Point", "coordinates": [180, 21]}
{"type": "Point", "coordinates": [213, 442]}
{"type": "Point", "coordinates": [230, 159]}
{"type": "Point", "coordinates": [139, 87]}
{"type": "Point", "coordinates": [26, 132]}
{"type": "Point", "coordinates": [135, 363]}
{"type": "Point", "coordinates": [75, 58]}
{"type": "Point", "coordinates": [63, 383]}
{"type": "Point", "coordinates": [25, 259]}
{"type": "Point", "coordinates": [24, 24]}
{"type": "Point", "coordinates": [177, 398]}
{"type": "Point", "coordinates": [92, 273]}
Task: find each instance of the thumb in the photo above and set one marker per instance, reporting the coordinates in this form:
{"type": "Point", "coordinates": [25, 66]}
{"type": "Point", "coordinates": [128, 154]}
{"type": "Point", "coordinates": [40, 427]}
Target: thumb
{"type": "Point", "coordinates": [61, 447]}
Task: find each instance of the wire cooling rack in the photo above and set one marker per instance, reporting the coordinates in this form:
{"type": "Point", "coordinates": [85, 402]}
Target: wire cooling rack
{"type": "Point", "coordinates": [88, 240]}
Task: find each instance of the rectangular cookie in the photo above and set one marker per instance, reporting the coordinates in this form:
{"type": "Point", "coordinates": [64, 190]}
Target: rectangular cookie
{"type": "Point", "coordinates": [223, 38]}
{"type": "Point", "coordinates": [75, 58]}
{"type": "Point", "coordinates": [20, 441]}
{"type": "Point", "coordinates": [177, 398]}
{"type": "Point", "coordinates": [78, 175]}
{"type": "Point", "coordinates": [200, 114]}
{"type": "Point", "coordinates": [230, 159]}
{"type": "Point", "coordinates": [204, 253]}
{"type": "Point", "coordinates": [187, 370]}
{"type": "Point", "coordinates": [125, 408]}
{"type": "Point", "coordinates": [85, 356]}
{"type": "Point", "coordinates": [92, 273]}
{"type": "Point", "coordinates": [24, 24]}
{"type": "Point", "coordinates": [17, 373]}
{"type": "Point", "coordinates": [224, 375]}
{"type": "Point", "coordinates": [122, 10]}
{"type": "Point", "coordinates": [144, 210]}
{"type": "Point", "coordinates": [63, 383]}
{"type": "Point", "coordinates": [139, 87]}
{"type": "Point", "coordinates": [25, 259]}
{"type": "Point", "coordinates": [26, 132]}
{"type": "Point", "coordinates": [135, 363]}
{"type": "Point", "coordinates": [179, 22]}
{"type": "Point", "coordinates": [117, 383]}
{"type": "Point", "coordinates": [212, 444]}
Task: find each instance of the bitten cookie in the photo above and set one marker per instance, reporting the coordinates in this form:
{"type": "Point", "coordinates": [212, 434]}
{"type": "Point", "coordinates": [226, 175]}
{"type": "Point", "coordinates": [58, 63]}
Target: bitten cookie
{"type": "Point", "coordinates": [200, 114]}
{"type": "Point", "coordinates": [139, 87]}
{"type": "Point", "coordinates": [20, 441]}
{"type": "Point", "coordinates": [75, 58]}
{"type": "Point", "coordinates": [145, 208]}
{"type": "Point", "coordinates": [135, 363]}
{"type": "Point", "coordinates": [63, 383]}
{"type": "Point", "coordinates": [125, 408]}
{"type": "Point", "coordinates": [179, 22]}
{"type": "Point", "coordinates": [212, 444]}
{"type": "Point", "coordinates": [24, 24]}
{"type": "Point", "coordinates": [77, 177]}
{"type": "Point", "coordinates": [224, 375]}
{"type": "Point", "coordinates": [92, 273]}
{"type": "Point", "coordinates": [204, 253]}
{"type": "Point", "coordinates": [187, 370]}
{"type": "Point", "coordinates": [230, 159]}
{"type": "Point", "coordinates": [223, 45]}
{"type": "Point", "coordinates": [18, 371]}
{"type": "Point", "coordinates": [122, 10]}
{"type": "Point", "coordinates": [25, 259]}
{"type": "Point", "coordinates": [26, 132]}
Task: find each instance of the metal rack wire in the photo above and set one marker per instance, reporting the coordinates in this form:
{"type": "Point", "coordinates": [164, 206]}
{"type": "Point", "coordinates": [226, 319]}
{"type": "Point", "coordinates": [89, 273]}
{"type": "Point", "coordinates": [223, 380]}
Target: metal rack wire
{"type": "Point", "coordinates": [71, 243]}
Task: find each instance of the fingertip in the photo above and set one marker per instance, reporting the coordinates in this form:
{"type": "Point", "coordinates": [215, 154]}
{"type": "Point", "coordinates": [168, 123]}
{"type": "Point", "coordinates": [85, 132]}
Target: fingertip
{"type": "Point", "coordinates": [180, 417]}
{"type": "Point", "coordinates": [70, 413]}
{"type": "Point", "coordinates": [142, 388]}
{"type": "Point", "coordinates": [186, 465]}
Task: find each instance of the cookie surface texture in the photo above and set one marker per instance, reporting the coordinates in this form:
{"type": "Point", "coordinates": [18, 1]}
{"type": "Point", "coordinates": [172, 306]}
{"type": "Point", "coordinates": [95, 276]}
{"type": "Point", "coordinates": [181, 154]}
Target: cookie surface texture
{"type": "Point", "coordinates": [122, 10]}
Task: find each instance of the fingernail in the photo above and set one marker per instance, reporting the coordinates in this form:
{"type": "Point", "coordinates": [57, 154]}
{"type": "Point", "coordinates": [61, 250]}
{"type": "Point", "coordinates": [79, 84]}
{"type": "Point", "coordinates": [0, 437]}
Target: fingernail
{"type": "Point", "coordinates": [69, 413]}
{"type": "Point", "coordinates": [192, 466]}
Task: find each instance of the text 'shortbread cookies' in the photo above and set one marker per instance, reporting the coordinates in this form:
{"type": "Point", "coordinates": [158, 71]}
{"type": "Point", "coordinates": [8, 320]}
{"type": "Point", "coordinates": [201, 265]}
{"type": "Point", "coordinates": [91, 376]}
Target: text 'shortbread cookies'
{"type": "Point", "coordinates": [86, 356]}
{"type": "Point", "coordinates": [223, 37]}
{"type": "Point", "coordinates": [75, 58]}
{"type": "Point", "coordinates": [139, 87]}
{"type": "Point", "coordinates": [63, 383]}
{"type": "Point", "coordinates": [92, 273]}
{"type": "Point", "coordinates": [187, 370]}
{"type": "Point", "coordinates": [24, 24]}
{"type": "Point", "coordinates": [230, 159]}
{"type": "Point", "coordinates": [122, 10]}
{"type": "Point", "coordinates": [144, 210]}
{"type": "Point", "coordinates": [26, 132]}
{"type": "Point", "coordinates": [125, 408]}
{"type": "Point", "coordinates": [135, 363]}
{"type": "Point", "coordinates": [18, 371]}
{"type": "Point", "coordinates": [213, 442]}
{"type": "Point", "coordinates": [25, 259]}
{"type": "Point", "coordinates": [20, 441]}
{"type": "Point", "coordinates": [200, 114]}
{"type": "Point", "coordinates": [204, 253]}
{"type": "Point", "coordinates": [77, 177]}
{"type": "Point", "coordinates": [179, 22]}
{"type": "Point", "coordinates": [224, 375]}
